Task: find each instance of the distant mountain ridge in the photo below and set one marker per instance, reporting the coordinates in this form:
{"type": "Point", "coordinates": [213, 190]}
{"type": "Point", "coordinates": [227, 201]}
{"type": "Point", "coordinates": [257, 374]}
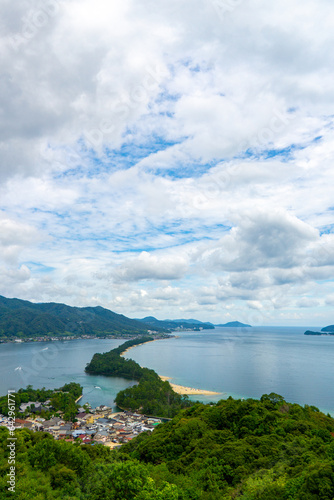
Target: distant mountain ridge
{"type": "Point", "coordinates": [175, 324]}
{"type": "Point", "coordinates": [329, 328]}
{"type": "Point", "coordinates": [21, 318]}
{"type": "Point", "coordinates": [234, 324]}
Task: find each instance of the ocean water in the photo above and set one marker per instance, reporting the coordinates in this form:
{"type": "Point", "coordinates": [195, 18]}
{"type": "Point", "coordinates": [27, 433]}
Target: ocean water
{"type": "Point", "coordinates": [53, 364]}
{"type": "Point", "coordinates": [245, 362]}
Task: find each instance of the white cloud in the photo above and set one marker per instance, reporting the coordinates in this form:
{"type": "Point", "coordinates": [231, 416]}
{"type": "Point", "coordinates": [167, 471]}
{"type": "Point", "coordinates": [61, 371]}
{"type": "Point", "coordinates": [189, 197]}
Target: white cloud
{"type": "Point", "coordinates": [307, 302]}
{"type": "Point", "coordinates": [14, 238]}
{"type": "Point", "coordinates": [261, 240]}
{"type": "Point", "coordinates": [125, 179]}
{"type": "Point", "coordinates": [151, 267]}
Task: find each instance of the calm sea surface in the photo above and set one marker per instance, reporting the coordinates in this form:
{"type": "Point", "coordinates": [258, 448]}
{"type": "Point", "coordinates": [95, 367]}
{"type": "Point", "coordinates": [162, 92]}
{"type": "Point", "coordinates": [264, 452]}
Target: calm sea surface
{"type": "Point", "coordinates": [52, 364]}
{"type": "Point", "coordinates": [236, 362]}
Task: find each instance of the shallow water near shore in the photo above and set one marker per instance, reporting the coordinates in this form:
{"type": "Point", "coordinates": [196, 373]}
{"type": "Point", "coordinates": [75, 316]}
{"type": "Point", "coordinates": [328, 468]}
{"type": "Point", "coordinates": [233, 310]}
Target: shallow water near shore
{"type": "Point", "coordinates": [235, 362]}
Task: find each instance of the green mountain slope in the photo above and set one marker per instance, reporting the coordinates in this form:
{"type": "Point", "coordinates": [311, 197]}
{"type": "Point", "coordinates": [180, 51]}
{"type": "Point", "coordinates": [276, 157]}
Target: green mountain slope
{"type": "Point", "coordinates": [21, 318]}
{"type": "Point", "coordinates": [267, 449]}
{"type": "Point", "coordinates": [252, 450]}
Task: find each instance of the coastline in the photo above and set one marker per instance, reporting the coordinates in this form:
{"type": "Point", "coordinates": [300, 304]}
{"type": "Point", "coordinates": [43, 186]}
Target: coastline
{"type": "Point", "coordinates": [179, 389]}
{"type": "Point", "coordinates": [189, 391]}
{"type": "Point", "coordinates": [147, 341]}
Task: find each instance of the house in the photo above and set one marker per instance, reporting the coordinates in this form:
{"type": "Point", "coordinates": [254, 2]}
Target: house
{"type": "Point", "coordinates": [19, 423]}
{"type": "Point", "coordinates": [31, 405]}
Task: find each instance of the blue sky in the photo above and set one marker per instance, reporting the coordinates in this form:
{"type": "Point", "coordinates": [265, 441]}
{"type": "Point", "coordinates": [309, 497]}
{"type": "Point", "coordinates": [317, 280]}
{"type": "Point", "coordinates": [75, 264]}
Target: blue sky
{"type": "Point", "coordinates": [169, 159]}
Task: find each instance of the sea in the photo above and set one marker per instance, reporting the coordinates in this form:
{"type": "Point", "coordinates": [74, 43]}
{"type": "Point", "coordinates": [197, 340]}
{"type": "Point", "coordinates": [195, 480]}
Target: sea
{"type": "Point", "coordinates": [238, 362]}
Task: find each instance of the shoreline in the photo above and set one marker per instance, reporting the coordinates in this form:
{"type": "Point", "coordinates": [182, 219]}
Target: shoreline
{"type": "Point", "coordinates": [188, 391]}
{"type": "Point", "coordinates": [179, 389]}
{"type": "Point", "coordinates": [60, 339]}
{"type": "Point", "coordinates": [136, 345]}
{"type": "Point", "coordinates": [146, 342]}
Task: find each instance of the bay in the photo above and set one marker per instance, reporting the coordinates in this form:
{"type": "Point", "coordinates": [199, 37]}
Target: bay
{"type": "Point", "coordinates": [241, 363]}
{"type": "Point", "coordinates": [53, 364]}
{"type": "Point", "coordinates": [248, 362]}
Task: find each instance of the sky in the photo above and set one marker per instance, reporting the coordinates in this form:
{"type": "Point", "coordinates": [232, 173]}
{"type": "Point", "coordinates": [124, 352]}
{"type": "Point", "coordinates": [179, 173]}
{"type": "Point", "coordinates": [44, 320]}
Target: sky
{"type": "Point", "coordinates": [169, 159]}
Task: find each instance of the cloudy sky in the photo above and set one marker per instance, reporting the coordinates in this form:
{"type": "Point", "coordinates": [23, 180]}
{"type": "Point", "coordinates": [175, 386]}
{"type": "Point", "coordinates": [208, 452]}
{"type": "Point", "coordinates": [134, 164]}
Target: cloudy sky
{"type": "Point", "coordinates": [169, 158]}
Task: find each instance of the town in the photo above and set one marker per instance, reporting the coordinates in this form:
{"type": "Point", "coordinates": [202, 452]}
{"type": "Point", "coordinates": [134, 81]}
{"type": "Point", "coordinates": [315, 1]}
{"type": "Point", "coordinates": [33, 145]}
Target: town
{"type": "Point", "coordinates": [92, 426]}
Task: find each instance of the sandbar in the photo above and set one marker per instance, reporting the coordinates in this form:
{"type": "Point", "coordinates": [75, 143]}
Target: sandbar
{"type": "Point", "coordinates": [180, 389]}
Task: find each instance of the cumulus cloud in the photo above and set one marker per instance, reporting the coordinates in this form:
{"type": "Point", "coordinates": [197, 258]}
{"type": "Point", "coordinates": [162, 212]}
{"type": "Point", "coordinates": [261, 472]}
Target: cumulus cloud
{"type": "Point", "coordinates": [259, 241]}
{"type": "Point", "coordinates": [14, 238]}
{"type": "Point", "coordinates": [151, 267]}
{"type": "Point", "coordinates": [168, 157]}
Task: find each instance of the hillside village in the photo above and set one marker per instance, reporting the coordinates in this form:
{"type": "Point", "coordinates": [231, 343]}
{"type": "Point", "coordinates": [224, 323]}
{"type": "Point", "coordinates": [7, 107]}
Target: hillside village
{"type": "Point", "coordinates": [99, 426]}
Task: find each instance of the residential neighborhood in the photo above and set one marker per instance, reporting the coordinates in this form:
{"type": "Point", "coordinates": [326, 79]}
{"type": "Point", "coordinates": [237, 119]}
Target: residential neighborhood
{"type": "Point", "coordinates": [97, 426]}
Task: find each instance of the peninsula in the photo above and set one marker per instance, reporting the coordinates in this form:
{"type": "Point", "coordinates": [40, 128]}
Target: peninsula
{"type": "Point", "coordinates": [151, 396]}
{"type": "Point", "coordinates": [179, 389]}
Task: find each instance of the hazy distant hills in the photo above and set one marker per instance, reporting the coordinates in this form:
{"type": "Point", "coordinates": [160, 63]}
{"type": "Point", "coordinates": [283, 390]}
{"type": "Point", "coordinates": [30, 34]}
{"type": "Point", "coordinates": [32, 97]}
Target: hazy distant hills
{"type": "Point", "coordinates": [187, 324]}
{"type": "Point", "coordinates": [176, 324]}
{"type": "Point", "coordinates": [234, 324]}
{"type": "Point", "coordinates": [22, 318]}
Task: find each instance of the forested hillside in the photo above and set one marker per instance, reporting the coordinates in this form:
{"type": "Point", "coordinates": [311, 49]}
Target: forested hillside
{"type": "Point", "coordinates": [20, 318]}
{"type": "Point", "coordinates": [264, 450]}
{"type": "Point", "coordinates": [151, 396]}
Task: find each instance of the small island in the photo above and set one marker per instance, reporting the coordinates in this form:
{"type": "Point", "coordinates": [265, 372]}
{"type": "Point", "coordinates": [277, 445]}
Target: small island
{"type": "Point", "coordinates": [235, 324]}
{"type": "Point", "coordinates": [324, 331]}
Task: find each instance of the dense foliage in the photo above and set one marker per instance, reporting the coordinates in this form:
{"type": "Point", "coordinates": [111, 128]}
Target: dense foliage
{"type": "Point", "coordinates": [47, 469]}
{"type": "Point", "coordinates": [251, 449]}
{"type": "Point", "coordinates": [62, 399]}
{"type": "Point", "coordinates": [264, 450]}
{"type": "Point", "coordinates": [21, 318]}
{"type": "Point", "coordinates": [112, 364]}
{"type": "Point", "coordinates": [151, 396]}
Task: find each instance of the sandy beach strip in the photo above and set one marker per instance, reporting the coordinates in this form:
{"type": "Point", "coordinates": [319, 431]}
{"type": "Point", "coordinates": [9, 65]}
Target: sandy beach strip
{"type": "Point", "coordinates": [136, 345]}
{"type": "Point", "coordinates": [180, 389]}
{"type": "Point", "coordinates": [189, 391]}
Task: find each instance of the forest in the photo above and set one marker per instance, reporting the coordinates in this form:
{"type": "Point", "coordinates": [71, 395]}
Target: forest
{"type": "Point", "coordinates": [24, 319]}
{"type": "Point", "coordinates": [250, 449]}
{"type": "Point", "coordinates": [151, 395]}
{"type": "Point", "coordinates": [62, 399]}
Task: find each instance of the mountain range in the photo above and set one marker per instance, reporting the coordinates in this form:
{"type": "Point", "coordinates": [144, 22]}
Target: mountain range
{"type": "Point", "coordinates": [176, 324]}
{"type": "Point", "coordinates": [21, 318]}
